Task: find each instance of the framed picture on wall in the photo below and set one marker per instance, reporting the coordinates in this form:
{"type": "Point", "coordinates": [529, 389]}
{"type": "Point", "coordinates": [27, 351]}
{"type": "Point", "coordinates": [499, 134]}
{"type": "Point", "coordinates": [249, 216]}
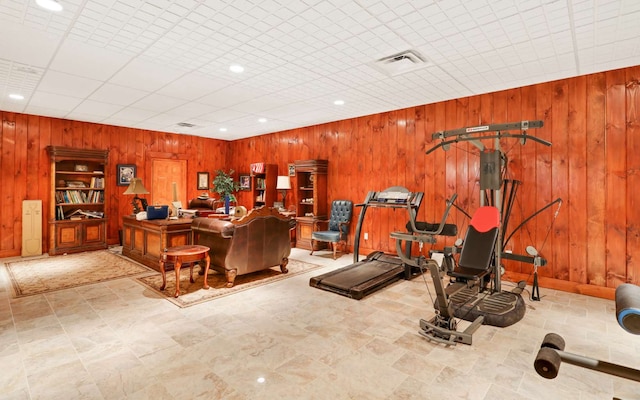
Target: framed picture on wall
{"type": "Point", "coordinates": [245, 182]}
{"type": "Point", "coordinates": [292, 169]}
{"type": "Point", "coordinates": [125, 173]}
{"type": "Point", "coordinates": [203, 180]}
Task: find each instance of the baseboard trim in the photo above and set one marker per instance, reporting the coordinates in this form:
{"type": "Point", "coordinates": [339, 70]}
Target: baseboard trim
{"type": "Point", "coordinates": [564, 286]}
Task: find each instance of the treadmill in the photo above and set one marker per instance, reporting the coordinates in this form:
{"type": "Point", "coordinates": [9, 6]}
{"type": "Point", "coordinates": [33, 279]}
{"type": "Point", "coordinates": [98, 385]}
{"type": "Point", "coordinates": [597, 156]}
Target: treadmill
{"type": "Point", "coordinates": [378, 269]}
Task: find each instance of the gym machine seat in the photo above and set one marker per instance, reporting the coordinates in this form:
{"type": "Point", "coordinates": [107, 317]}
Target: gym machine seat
{"type": "Point", "coordinates": [480, 240]}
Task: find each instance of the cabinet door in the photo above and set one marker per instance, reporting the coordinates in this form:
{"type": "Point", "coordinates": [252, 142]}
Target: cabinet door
{"type": "Point", "coordinates": [68, 235]}
{"type": "Point", "coordinates": [93, 233]}
{"type": "Point", "coordinates": [304, 230]}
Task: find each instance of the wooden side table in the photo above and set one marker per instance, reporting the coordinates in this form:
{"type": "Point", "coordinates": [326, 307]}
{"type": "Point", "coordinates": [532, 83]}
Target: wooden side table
{"type": "Point", "coordinates": [184, 254]}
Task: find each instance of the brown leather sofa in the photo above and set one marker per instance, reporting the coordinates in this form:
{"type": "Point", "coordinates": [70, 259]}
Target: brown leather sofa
{"type": "Point", "coordinates": [203, 204]}
{"type": "Point", "coordinates": [257, 241]}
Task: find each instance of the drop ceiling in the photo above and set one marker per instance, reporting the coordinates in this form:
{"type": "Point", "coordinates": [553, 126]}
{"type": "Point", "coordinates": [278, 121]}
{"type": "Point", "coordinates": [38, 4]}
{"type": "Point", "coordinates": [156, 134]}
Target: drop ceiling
{"type": "Point", "coordinates": [164, 65]}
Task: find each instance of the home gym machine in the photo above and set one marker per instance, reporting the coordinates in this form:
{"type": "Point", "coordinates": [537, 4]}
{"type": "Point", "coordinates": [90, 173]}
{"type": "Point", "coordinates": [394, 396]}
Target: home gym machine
{"type": "Point", "coordinates": [475, 292]}
{"type": "Point", "coordinates": [378, 269]}
{"type": "Point", "coordinates": [552, 354]}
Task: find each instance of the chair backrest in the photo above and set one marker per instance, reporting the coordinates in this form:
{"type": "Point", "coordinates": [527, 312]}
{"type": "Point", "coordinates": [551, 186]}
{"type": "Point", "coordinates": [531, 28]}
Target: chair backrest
{"type": "Point", "coordinates": [341, 211]}
{"type": "Point", "coordinates": [480, 240]}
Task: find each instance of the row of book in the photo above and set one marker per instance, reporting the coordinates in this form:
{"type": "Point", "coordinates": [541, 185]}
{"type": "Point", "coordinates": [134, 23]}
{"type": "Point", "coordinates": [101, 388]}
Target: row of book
{"type": "Point", "coordinates": [79, 196]}
{"type": "Point", "coordinates": [97, 183]}
{"type": "Point", "coordinates": [78, 214]}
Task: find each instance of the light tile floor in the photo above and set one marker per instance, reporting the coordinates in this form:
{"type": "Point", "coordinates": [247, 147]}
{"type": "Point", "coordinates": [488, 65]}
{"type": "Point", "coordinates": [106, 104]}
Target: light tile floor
{"type": "Point", "coordinates": [286, 340]}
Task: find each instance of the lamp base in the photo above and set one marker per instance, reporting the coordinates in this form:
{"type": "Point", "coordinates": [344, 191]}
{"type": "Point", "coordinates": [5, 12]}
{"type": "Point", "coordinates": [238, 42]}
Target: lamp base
{"type": "Point", "coordinates": [138, 208]}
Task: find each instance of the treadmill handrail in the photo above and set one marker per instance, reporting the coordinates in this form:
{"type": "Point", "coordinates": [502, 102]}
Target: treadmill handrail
{"type": "Point", "coordinates": [442, 221]}
{"type": "Point", "coordinates": [413, 205]}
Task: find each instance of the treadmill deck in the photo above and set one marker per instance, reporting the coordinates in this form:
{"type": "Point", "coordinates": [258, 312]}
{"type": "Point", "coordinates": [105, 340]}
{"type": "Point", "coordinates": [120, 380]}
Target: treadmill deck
{"type": "Point", "coordinates": [362, 278]}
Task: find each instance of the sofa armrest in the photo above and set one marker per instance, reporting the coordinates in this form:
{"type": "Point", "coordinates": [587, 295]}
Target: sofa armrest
{"type": "Point", "coordinates": [203, 204]}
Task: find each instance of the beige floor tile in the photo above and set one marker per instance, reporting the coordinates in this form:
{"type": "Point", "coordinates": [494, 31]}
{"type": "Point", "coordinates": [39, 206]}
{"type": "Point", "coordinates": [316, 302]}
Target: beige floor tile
{"type": "Point", "coordinates": [287, 340]}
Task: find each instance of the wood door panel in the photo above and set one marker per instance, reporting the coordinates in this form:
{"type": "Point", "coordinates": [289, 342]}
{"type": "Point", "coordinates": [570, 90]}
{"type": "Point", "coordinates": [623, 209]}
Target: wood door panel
{"type": "Point", "coordinates": [168, 179]}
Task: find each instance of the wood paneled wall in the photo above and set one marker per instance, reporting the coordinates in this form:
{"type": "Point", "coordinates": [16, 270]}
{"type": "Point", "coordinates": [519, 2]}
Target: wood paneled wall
{"type": "Point", "coordinates": [593, 166]}
{"type": "Point", "coordinates": [26, 166]}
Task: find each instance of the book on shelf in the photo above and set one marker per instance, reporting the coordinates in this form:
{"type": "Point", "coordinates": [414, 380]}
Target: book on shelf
{"type": "Point", "coordinates": [80, 214]}
{"type": "Point", "coordinates": [96, 183]}
{"type": "Point", "coordinates": [76, 184]}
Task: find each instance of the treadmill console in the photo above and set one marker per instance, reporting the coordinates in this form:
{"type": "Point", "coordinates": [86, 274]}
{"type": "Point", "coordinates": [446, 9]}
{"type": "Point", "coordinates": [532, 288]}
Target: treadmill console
{"type": "Point", "coordinates": [393, 199]}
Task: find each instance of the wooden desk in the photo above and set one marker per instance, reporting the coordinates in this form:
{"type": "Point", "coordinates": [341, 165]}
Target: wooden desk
{"type": "Point", "coordinates": [144, 241]}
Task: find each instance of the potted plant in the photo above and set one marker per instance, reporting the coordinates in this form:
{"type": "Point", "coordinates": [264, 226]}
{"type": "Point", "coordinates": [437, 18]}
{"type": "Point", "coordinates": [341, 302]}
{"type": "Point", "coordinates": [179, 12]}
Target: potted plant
{"type": "Point", "coordinates": [224, 185]}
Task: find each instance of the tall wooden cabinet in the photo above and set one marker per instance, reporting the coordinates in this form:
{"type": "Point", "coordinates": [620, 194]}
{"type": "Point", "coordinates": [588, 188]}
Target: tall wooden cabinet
{"type": "Point", "coordinates": [263, 186]}
{"type": "Point", "coordinates": [77, 214]}
{"type": "Point", "coordinates": [311, 200]}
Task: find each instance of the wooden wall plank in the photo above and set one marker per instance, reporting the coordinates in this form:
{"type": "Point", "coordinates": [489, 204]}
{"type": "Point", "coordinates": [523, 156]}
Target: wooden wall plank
{"type": "Point", "coordinates": [576, 209]}
{"type": "Point", "coordinates": [595, 195]}
{"type": "Point", "coordinates": [594, 241]}
{"type": "Point", "coordinates": [8, 214]}
{"type": "Point", "coordinates": [632, 80]}
{"type": "Point", "coordinates": [525, 204]}
{"type": "Point", "coordinates": [560, 178]}
{"type": "Point", "coordinates": [616, 187]}
{"type": "Point", "coordinates": [544, 178]}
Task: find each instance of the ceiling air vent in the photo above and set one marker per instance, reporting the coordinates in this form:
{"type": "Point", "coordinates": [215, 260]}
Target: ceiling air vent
{"type": "Point", "coordinates": [400, 63]}
{"type": "Point", "coordinates": [185, 125]}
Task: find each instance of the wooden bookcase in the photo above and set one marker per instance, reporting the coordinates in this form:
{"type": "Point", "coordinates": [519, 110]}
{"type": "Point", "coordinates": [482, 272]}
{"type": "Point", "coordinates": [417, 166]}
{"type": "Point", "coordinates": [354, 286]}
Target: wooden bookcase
{"type": "Point", "coordinates": [77, 214]}
{"type": "Point", "coordinates": [311, 200]}
{"type": "Point", "coordinates": [263, 185]}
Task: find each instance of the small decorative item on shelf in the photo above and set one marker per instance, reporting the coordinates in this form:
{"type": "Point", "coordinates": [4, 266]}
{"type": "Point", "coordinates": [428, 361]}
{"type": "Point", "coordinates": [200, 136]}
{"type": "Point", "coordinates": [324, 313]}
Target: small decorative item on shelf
{"type": "Point", "coordinates": [81, 168]}
{"type": "Point", "coordinates": [257, 168]}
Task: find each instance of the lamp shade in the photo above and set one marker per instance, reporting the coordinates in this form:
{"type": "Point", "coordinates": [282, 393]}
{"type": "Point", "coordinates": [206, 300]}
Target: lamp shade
{"type": "Point", "coordinates": [283, 183]}
{"type": "Point", "coordinates": [136, 187]}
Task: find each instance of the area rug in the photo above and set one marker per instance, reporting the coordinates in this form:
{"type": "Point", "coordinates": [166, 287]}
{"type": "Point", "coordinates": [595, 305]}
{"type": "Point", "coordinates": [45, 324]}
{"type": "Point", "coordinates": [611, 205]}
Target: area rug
{"type": "Point", "coordinates": [193, 293]}
{"type": "Point", "coordinates": [48, 274]}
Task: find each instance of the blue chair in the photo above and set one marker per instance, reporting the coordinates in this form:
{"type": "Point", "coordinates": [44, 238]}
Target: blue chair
{"type": "Point", "coordinates": [337, 228]}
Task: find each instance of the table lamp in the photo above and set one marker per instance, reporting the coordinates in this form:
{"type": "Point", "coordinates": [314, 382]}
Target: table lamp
{"type": "Point", "coordinates": [136, 187]}
{"type": "Point", "coordinates": [283, 184]}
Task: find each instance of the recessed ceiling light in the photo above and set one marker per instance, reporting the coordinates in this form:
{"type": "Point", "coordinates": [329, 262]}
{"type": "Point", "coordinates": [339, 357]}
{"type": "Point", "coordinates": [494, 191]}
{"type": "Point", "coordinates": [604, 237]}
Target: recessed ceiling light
{"type": "Point", "coordinates": [16, 96]}
{"type": "Point", "coordinates": [262, 120]}
{"type": "Point", "coordinates": [236, 68]}
{"type": "Point", "coordinates": [51, 5]}
{"type": "Point", "coordinates": [339, 102]}
{"type": "Point", "coordinates": [223, 129]}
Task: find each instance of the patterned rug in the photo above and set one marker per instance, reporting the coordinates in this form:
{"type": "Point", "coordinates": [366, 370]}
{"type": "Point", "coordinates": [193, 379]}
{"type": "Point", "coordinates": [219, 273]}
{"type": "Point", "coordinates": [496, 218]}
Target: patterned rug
{"type": "Point", "coordinates": [48, 274]}
{"type": "Point", "coordinates": [193, 293]}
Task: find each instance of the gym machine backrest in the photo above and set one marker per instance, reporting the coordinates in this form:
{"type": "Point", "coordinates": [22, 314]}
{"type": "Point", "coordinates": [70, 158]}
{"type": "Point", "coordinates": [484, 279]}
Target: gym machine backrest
{"type": "Point", "coordinates": [479, 244]}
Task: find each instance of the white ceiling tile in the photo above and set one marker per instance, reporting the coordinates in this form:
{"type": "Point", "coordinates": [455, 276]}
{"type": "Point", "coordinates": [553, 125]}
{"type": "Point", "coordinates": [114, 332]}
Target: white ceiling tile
{"type": "Point", "coordinates": [54, 101]}
{"type": "Point", "coordinates": [78, 58]}
{"type": "Point", "coordinates": [118, 95]}
{"type": "Point", "coordinates": [171, 58]}
{"type": "Point", "coordinates": [158, 103]}
{"type": "Point", "coordinates": [95, 108]}
{"type": "Point", "coordinates": [144, 75]}
{"type": "Point", "coordinates": [39, 51]}
{"type": "Point", "coordinates": [67, 85]}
